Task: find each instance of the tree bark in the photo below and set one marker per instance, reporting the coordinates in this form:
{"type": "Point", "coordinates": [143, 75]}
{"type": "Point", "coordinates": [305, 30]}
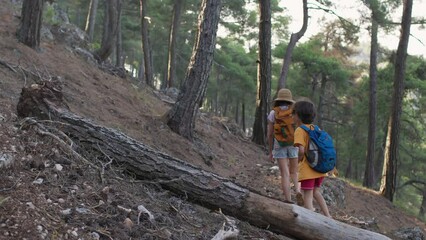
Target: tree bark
{"type": "Point", "coordinates": [391, 158]}
{"type": "Point", "coordinates": [422, 210]}
{"type": "Point", "coordinates": [237, 112]}
{"type": "Point", "coordinates": [119, 43]}
{"type": "Point", "coordinates": [321, 100]}
{"type": "Point", "coordinates": [263, 97]}
{"type": "Point", "coordinates": [202, 187]}
{"type": "Point", "coordinates": [31, 19]}
{"type": "Point", "coordinates": [294, 38]}
{"type": "Point", "coordinates": [91, 19]}
{"type": "Point", "coordinates": [243, 117]}
{"type": "Point", "coordinates": [141, 72]}
{"type": "Point", "coordinates": [105, 28]}
{"type": "Point", "coordinates": [379, 162]}
{"type": "Point", "coordinates": [110, 30]}
{"type": "Point", "coordinates": [181, 118]}
{"type": "Point", "coordinates": [146, 45]}
{"type": "Point", "coordinates": [174, 30]}
{"type": "Point", "coordinates": [372, 109]}
{"type": "Point", "coordinates": [216, 91]}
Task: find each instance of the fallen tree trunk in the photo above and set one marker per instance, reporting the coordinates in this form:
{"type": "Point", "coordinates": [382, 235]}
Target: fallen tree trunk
{"type": "Point", "coordinates": [202, 187]}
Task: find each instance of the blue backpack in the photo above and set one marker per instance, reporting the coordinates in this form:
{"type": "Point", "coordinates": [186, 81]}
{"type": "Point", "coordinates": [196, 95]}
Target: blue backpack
{"type": "Point", "coordinates": [320, 153]}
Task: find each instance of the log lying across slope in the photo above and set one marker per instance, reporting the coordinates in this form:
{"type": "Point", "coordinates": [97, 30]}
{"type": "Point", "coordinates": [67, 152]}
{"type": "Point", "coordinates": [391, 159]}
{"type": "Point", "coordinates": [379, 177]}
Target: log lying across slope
{"type": "Point", "coordinates": [202, 187]}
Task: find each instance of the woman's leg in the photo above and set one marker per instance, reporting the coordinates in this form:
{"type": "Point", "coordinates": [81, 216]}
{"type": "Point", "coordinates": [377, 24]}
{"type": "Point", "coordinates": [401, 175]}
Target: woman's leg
{"type": "Point", "coordinates": [294, 174]}
{"type": "Point", "coordinates": [285, 177]}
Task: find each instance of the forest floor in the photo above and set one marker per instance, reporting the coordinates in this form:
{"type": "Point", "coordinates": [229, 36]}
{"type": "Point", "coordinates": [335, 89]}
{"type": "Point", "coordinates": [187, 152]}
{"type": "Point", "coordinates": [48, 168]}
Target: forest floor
{"type": "Point", "coordinates": [46, 194]}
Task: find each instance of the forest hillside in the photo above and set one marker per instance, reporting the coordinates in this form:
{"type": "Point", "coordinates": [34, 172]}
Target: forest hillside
{"type": "Point", "coordinates": [48, 193]}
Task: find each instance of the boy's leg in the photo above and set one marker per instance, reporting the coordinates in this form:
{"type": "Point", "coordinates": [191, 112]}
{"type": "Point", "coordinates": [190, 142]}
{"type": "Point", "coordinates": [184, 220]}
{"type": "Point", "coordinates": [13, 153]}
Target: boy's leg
{"type": "Point", "coordinates": [321, 202]}
{"type": "Point", "coordinates": [319, 198]}
{"type": "Point", "coordinates": [308, 199]}
{"type": "Point", "coordinates": [285, 178]}
{"type": "Point", "coordinates": [307, 187]}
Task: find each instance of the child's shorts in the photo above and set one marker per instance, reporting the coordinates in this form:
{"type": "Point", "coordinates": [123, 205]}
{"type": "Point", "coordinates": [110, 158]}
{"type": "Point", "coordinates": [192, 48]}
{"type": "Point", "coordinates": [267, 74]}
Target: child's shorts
{"type": "Point", "coordinates": [284, 152]}
{"type": "Point", "coordinates": [309, 184]}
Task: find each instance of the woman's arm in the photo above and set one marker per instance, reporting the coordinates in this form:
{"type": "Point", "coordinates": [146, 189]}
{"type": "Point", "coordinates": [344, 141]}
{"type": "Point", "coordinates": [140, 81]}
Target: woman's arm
{"type": "Point", "coordinates": [270, 136]}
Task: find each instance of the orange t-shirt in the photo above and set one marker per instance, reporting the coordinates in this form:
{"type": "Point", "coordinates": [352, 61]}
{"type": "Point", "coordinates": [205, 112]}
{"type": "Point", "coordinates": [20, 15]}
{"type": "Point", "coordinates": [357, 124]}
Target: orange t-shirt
{"type": "Point", "coordinates": [301, 138]}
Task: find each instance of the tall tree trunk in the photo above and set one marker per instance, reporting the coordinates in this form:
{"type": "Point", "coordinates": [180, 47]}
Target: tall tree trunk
{"type": "Point", "coordinates": [386, 163]}
{"type": "Point", "coordinates": [110, 30]}
{"type": "Point", "coordinates": [263, 96]}
{"type": "Point", "coordinates": [174, 30]}
{"type": "Point", "coordinates": [216, 92]}
{"type": "Point", "coordinates": [348, 170]}
{"type": "Point", "coordinates": [243, 116]}
{"type": "Point", "coordinates": [371, 141]}
{"type": "Point", "coordinates": [320, 108]}
{"type": "Point", "coordinates": [391, 158]}
{"type": "Point", "coordinates": [422, 210]}
{"type": "Point", "coordinates": [105, 28]}
{"type": "Point", "coordinates": [146, 46]}
{"type": "Point", "coordinates": [294, 38]}
{"type": "Point", "coordinates": [31, 20]}
{"type": "Point", "coordinates": [237, 113]}
{"type": "Point", "coordinates": [379, 165]}
{"type": "Point", "coordinates": [141, 72]}
{"type": "Point", "coordinates": [225, 107]}
{"type": "Point", "coordinates": [91, 19]}
{"type": "Point", "coordinates": [119, 44]}
{"type": "Point", "coordinates": [181, 118]}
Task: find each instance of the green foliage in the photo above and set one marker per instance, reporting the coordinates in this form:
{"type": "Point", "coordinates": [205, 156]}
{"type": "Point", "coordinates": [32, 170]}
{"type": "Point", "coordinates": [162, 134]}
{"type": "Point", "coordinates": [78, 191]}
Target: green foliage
{"type": "Point", "coordinates": [315, 63]}
{"type": "Point", "coordinates": [280, 26]}
{"type": "Point", "coordinates": [409, 198]}
{"type": "Point", "coordinates": [382, 11]}
{"type": "Point", "coordinates": [77, 10]}
{"type": "Point", "coordinates": [95, 45]}
{"type": "Point", "coordinates": [48, 14]}
{"type": "Point", "coordinates": [232, 80]}
{"type": "Point", "coordinates": [235, 8]}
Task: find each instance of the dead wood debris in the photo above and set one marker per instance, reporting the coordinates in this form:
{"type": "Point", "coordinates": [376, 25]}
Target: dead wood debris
{"type": "Point", "coordinates": [35, 74]}
{"type": "Point", "coordinates": [41, 129]}
{"type": "Point", "coordinates": [360, 221]}
{"type": "Point", "coordinates": [229, 229]}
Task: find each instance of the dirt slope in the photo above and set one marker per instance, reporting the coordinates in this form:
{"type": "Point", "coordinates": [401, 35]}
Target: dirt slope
{"type": "Point", "coordinates": [46, 194]}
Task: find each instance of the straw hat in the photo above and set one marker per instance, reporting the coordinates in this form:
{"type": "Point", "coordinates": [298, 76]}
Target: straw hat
{"type": "Point", "coordinates": [284, 95]}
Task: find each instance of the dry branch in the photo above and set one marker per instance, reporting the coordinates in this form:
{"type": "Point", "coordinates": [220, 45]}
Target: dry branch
{"type": "Point", "coordinates": [229, 229]}
{"type": "Point", "coordinates": [8, 65]}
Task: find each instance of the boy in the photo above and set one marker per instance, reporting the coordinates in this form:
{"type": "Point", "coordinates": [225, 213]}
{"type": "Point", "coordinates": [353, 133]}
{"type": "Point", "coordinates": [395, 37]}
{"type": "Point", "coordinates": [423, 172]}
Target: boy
{"type": "Point", "coordinates": [310, 180]}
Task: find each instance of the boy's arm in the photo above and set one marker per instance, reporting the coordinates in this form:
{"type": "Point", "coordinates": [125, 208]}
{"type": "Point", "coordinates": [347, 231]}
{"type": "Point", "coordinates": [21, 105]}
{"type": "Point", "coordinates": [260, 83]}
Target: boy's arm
{"type": "Point", "coordinates": [301, 152]}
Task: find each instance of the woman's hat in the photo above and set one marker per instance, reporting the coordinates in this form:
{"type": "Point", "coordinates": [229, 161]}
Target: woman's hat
{"type": "Point", "coordinates": [284, 95]}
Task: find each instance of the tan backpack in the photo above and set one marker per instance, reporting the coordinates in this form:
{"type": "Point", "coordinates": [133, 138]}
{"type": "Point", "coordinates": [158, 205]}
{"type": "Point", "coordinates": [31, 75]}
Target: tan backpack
{"type": "Point", "coordinates": [284, 126]}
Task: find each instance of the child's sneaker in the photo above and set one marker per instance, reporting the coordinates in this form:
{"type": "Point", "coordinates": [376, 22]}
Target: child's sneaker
{"type": "Point", "coordinates": [299, 199]}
